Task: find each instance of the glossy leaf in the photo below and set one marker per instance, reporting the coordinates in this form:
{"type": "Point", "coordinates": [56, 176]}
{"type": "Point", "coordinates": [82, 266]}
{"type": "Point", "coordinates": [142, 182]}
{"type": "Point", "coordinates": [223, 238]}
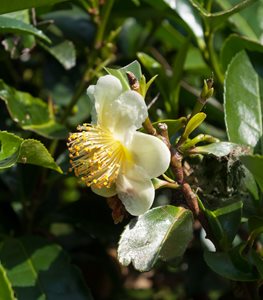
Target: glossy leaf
{"type": "Point", "coordinates": [161, 233]}
{"type": "Point", "coordinates": [9, 149]}
{"type": "Point", "coordinates": [192, 18]}
{"type": "Point", "coordinates": [14, 149]}
{"type": "Point", "coordinates": [11, 25]}
{"type": "Point", "coordinates": [6, 292]}
{"type": "Point", "coordinates": [133, 67]}
{"type": "Point", "coordinates": [254, 163]}
{"type": "Point", "coordinates": [242, 102]}
{"type": "Point", "coordinates": [193, 123]}
{"type": "Point", "coordinates": [31, 113]}
{"type": "Point", "coordinates": [234, 44]}
{"type": "Point", "coordinates": [64, 52]}
{"type": "Point", "coordinates": [222, 264]}
{"type": "Point", "coordinates": [9, 6]}
{"type": "Point", "coordinates": [217, 149]}
{"type": "Point", "coordinates": [38, 270]}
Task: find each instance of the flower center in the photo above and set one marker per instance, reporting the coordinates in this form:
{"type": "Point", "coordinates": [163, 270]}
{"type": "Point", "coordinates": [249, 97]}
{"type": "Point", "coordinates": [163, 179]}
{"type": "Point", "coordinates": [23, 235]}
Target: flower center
{"type": "Point", "coordinates": [96, 156]}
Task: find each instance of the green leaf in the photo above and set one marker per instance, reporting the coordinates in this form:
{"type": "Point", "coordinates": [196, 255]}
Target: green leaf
{"type": "Point", "coordinates": [6, 292]}
{"type": "Point", "coordinates": [133, 67]}
{"type": "Point", "coordinates": [9, 149]}
{"type": "Point", "coordinates": [243, 21]}
{"type": "Point", "coordinates": [11, 25]}
{"type": "Point", "coordinates": [31, 113]}
{"type": "Point", "coordinates": [234, 44]}
{"type": "Point", "coordinates": [254, 163]}
{"type": "Point", "coordinates": [243, 114]}
{"type": "Point", "coordinates": [217, 149]}
{"type": "Point", "coordinates": [193, 123]}
{"type": "Point", "coordinates": [229, 217]}
{"type": "Point", "coordinates": [161, 233]}
{"type": "Point", "coordinates": [192, 18]}
{"type": "Point", "coordinates": [64, 52]}
{"type": "Point", "coordinates": [38, 270]}
{"type": "Point", "coordinates": [216, 19]}
{"type": "Point", "coordinates": [14, 149]}
{"type": "Point", "coordinates": [8, 6]}
{"type": "Point", "coordinates": [222, 264]}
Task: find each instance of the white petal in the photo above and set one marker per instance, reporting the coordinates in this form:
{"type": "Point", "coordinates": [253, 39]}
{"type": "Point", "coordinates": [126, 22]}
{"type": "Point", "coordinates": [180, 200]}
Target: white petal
{"type": "Point", "coordinates": [106, 91]}
{"type": "Point", "coordinates": [90, 93]}
{"type": "Point", "coordinates": [150, 153]}
{"type": "Point", "coordinates": [136, 191]}
{"type": "Point", "coordinates": [129, 111]}
{"type": "Point", "coordinates": [105, 192]}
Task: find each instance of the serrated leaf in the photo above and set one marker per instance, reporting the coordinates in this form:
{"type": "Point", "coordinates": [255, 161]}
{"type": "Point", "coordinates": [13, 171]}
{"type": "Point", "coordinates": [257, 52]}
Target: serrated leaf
{"type": "Point", "coordinates": [222, 264]}
{"type": "Point", "coordinates": [14, 149]}
{"type": "Point", "coordinates": [243, 114]}
{"type": "Point", "coordinates": [31, 113]}
{"type": "Point", "coordinates": [133, 67]}
{"type": "Point", "coordinates": [11, 25]}
{"type": "Point", "coordinates": [254, 163]}
{"type": "Point", "coordinates": [217, 149]}
{"type": "Point", "coordinates": [193, 123]}
{"type": "Point", "coordinates": [6, 292]}
{"type": "Point", "coordinates": [9, 149]}
{"type": "Point", "coordinates": [9, 6]}
{"type": "Point", "coordinates": [161, 233]}
{"type": "Point", "coordinates": [39, 270]}
{"type": "Point", "coordinates": [64, 52]}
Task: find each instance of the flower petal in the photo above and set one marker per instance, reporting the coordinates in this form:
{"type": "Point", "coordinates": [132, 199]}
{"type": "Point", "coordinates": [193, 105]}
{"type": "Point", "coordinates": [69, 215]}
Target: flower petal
{"type": "Point", "coordinates": [105, 192]}
{"type": "Point", "coordinates": [106, 91]}
{"type": "Point", "coordinates": [150, 153]}
{"type": "Point", "coordinates": [129, 112]}
{"type": "Point", "coordinates": [136, 191]}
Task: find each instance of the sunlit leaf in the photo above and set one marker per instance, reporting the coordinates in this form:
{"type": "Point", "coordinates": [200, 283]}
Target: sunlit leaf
{"type": "Point", "coordinates": [9, 6]}
{"type": "Point", "coordinates": [6, 292]}
{"type": "Point", "coordinates": [31, 113]}
{"type": "Point", "coordinates": [161, 233]}
{"type": "Point", "coordinates": [242, 102]}
{"type": "Point", "coordinates": [64, 52]}
{"type": "Point", "coordinates": [217, 149]}
{"type": "Point", "coordinates": [11, 25]}
{"type": "Point", "coordinates": [133, 67]}
{"type": "Point", "coordinates": [218, 18]}
{"type": "Point", "coordinates": [14, 149]}
{"type": "Point", "coordinates": [193, 123]}
{"type": "Point", "coordinates": [38, 270]}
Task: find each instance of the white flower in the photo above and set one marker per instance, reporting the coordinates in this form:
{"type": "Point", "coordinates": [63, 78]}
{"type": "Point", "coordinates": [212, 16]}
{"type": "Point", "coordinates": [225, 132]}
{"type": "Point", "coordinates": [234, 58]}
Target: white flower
{"type": "Point", "coordinates": [110, 156]}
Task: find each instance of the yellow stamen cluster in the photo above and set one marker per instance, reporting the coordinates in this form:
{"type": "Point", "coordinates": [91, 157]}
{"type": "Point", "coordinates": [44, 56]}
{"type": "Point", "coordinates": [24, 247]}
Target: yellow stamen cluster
{"type": "Point", "coordinates": [95, 155]}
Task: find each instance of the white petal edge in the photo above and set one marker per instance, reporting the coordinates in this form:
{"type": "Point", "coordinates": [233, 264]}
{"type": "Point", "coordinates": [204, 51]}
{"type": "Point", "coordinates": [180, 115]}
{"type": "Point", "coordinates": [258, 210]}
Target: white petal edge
{"type": "Point", "coordinates": [150, 153]}
{"type": "Point", "coordinates": [106, 91]}
{"type": "Point", "coordinates": [136, 191]}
